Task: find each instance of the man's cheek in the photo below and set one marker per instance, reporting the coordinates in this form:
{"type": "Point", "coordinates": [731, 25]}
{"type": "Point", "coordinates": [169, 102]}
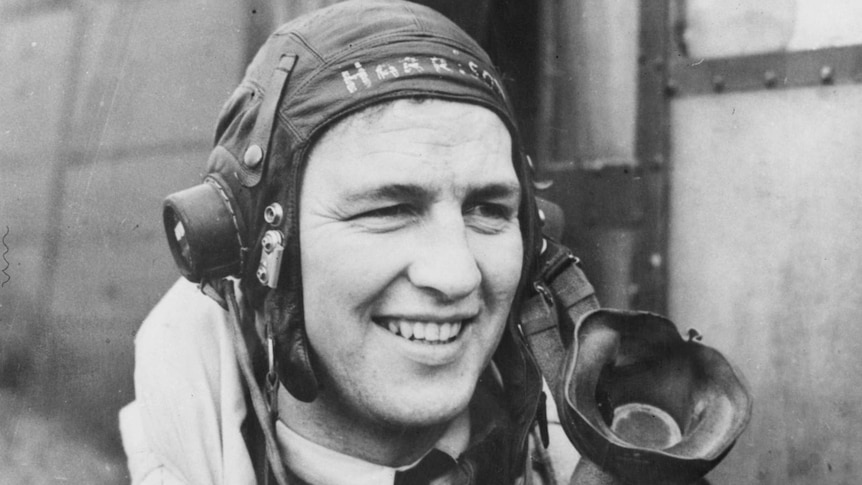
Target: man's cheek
{"type": "Point", "coordinates": [502, 268]}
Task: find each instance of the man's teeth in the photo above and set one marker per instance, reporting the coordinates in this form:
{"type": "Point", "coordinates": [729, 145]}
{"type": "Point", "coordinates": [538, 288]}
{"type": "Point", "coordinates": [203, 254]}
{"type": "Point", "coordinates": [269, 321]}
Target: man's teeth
{"type": "Point", "coordinates": [425, 331]}
{"type": "Point", "coordinates": [405, 328]}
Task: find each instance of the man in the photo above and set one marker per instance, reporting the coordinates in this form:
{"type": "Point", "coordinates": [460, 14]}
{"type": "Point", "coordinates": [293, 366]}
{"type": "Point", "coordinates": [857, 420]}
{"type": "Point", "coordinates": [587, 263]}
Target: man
{"type": "Point", "coordinates": [375, 296]}
{"type": "Point", "coordinates": [372, 145]}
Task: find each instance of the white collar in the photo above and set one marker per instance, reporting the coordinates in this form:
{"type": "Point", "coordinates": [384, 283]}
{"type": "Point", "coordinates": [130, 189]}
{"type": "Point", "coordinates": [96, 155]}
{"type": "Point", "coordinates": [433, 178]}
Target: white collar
{"type": "Point", "coordinates": [319, 465]}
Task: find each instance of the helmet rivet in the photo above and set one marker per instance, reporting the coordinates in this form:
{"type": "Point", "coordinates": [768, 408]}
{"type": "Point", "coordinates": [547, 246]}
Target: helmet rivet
{"type": "Point", "coordinates": [271, 240]}
{"type": "Point", "coordinates": [253, 156]}
{"type": "Point", "coordinates": [273, 214]}
{"type": "Point", "coordinates": [261, 275]}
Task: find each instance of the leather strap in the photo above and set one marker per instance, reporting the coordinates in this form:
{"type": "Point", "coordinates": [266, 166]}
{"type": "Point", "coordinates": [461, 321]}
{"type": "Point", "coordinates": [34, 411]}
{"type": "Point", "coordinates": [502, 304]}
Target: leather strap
{"type": "Point", "coordinates": [549, 317]}
{"type": "Point", "coordinates": [259, 406]}
{"type": "Point", "coordinates": [262, 131]}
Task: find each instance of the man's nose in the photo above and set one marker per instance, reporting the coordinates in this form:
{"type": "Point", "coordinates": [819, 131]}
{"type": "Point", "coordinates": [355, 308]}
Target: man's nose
{"type": "Point", "coordinates": [445, 263]}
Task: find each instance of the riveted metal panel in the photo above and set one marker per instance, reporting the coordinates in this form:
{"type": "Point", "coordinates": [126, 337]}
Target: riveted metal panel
{"type": "Point", "coordinates": [652, 145]}
{"type": "Point", "coordinates": [765, 262]}
{"type": "Point", "coordinates": [822, 67]}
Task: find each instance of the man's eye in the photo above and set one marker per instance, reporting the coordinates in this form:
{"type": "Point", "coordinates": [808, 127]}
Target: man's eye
{"type": "Point", "coordinates": [386, 219]}
{"type": "Point", "coordinates": [491, 211]}
{"type": "Point", "coordinates": [489, 218]}
{"type": "Point", "coordinates": [388, 212]}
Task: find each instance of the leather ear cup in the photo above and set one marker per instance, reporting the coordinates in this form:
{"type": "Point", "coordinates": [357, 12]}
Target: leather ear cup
{"type": "Point", "coordinates": [292, 350]}
{"type": "Point", "coordinates": [646, 405]}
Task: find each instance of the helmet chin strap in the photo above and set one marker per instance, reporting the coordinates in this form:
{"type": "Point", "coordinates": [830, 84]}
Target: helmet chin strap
{"type": "Point", "coordinates": [265, 409]}
{"type": "Point", "coordinates": [283, 314]}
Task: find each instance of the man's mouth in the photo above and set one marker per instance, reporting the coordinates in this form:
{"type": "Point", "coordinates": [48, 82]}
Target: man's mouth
{"type": "Point", "coordinates": [419, 331]}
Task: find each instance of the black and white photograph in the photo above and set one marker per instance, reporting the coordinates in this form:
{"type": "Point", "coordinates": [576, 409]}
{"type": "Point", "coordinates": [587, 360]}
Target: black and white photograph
{"type": "Point", "coordinates": [430, 242]}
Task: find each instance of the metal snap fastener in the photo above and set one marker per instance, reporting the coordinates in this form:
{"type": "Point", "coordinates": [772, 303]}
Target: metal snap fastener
{"type": "Point", "coordinates": [273, 214]}
{"type": "Point", "coordinates": [253, 156]}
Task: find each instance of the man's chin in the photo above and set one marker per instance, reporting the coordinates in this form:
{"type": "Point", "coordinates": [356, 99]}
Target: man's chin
{"type": "Point", "coordinates": [419, 412]}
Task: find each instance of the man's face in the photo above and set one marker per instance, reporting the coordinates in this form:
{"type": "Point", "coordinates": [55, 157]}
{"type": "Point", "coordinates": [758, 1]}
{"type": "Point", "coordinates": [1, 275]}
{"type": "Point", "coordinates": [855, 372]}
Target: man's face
{"type": "Point", "coordinates": [411, 255]}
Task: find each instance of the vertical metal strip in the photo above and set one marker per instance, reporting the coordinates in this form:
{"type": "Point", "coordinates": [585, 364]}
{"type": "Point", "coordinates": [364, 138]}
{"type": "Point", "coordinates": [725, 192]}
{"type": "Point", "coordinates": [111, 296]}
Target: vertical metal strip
{"type": "Point", "coordinates": [652, 148]}
{"type": "Point", "coordinates": [547, 83]}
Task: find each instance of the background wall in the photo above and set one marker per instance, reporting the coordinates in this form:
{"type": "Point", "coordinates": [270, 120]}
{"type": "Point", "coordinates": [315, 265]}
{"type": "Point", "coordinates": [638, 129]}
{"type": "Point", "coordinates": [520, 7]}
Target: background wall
{"type": "Point", "coordinates": [761, 193]}
{"type": "Point", "coordinates": [107, 107]}
{"type": "Point", "coordinates": [585, 134]}
{"type": "Point", "coordinates": [764, 251]}
{"type": "Point", "coordinates": [766, 264]}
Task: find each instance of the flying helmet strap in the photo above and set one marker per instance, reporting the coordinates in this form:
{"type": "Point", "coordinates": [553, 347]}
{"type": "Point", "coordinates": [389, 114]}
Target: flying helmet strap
{"type": "Point", "coordinates": [264, 409]}
{"type": "Point", "coordinates": [561, 290]}
{"type": "Point", "coordinates": [260, 137]}
{"type": "Point", "coordinates": [262, 397]}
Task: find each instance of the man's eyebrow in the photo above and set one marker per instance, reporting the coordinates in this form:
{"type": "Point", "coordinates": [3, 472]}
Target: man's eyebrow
{"type": "Point", "coordinates": [412, 192]}
{"type": "Point", "coordinates": [389, 192]}
{"type": "Point", "coordinates": [495, 191]}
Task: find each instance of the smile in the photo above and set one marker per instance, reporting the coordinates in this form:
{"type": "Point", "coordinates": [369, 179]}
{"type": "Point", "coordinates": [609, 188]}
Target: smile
{"type": "Point", "coordinates": [426, 332]}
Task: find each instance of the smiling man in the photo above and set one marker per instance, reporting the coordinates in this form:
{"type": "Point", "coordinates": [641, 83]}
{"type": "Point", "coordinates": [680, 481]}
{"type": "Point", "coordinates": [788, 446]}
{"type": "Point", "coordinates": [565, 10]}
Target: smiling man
{"type": "Point", "coordinates": [365, 232]}
{"type": "Point", "coordinates": [368, 298]}
{"type": "Point", "coordinates": [411, 257]}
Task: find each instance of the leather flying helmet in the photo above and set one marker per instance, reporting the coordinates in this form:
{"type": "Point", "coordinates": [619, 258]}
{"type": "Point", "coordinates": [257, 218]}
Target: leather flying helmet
{"type": "Point", "coordinates": [312, 72]}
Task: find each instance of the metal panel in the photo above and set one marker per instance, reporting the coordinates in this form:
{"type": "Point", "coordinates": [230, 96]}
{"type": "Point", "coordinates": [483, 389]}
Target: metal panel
{"type": "Point", "coordinates": [715, 28]}
{"type": "Point", "coordinates": [839, 65]}
{"type": "Point", "coordinates": [589, 81]}
{"type": "Point", "coordinates": [765, 261]}
{"type": "Point", "coordinates": [652, 145]}
{"type": "Point", "coordinates": [585, 133]}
